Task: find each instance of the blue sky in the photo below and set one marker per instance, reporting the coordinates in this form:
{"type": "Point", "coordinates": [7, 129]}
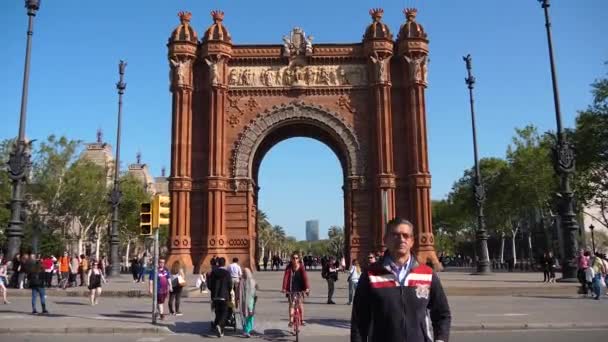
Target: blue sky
{"type": "Point", "coordinates": [77, 46]}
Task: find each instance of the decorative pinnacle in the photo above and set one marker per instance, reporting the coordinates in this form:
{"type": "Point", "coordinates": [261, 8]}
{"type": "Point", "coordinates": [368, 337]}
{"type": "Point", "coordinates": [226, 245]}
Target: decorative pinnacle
{"type": "Point", "coordinates": [376, 14]}
{"type": "Point", "coordinates": [410, 14]}
{"type": "Point", "coordinates": [99, 135]}
{"type": "Point", "coordinates": [184, 17]}
{"type": "Point", "coordinates": [217, 15]}
{"type": "Point", "coordinates": [470, 80]}
{"type": "Point", "coordinates": [138, 157]}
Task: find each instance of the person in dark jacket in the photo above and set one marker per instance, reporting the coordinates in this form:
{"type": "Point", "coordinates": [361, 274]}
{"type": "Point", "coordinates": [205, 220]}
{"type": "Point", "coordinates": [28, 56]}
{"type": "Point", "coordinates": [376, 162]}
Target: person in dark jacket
{"type": "Point", "coordinates": [36, 278]}
{"type": "Point", "coordinates": [398, 299]}
{"type": "Point", "coordinates": [220, 284]}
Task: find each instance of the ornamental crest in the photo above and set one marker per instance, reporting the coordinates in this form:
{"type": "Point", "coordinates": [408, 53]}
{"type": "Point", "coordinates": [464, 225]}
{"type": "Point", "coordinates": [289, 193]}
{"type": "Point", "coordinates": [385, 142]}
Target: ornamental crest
{"type": "Point", "coordinates": [422, 291]}
{"type": "Point", "coordinates": [565, 157]}
{"type": "Point", "coordinates": [297, 43]}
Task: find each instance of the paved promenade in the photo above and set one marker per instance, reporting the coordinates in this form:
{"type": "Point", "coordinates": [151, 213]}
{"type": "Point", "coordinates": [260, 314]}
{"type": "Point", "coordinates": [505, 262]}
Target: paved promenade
{"type": "Point", "coordinates": [126, 315]}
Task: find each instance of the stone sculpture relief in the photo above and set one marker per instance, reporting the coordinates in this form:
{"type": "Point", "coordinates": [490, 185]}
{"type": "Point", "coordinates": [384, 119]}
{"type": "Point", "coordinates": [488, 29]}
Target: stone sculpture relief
{"type": "Point", "coordinates": [215, 70]}
{"type": "Point", "coordinates": [380, 67]}
{"type": "Point", "coordinates": [418, 70]}
{"type": "Point", "coordinates": [181, 70]}
{"type": "Point", "coordinates": [298, 75]}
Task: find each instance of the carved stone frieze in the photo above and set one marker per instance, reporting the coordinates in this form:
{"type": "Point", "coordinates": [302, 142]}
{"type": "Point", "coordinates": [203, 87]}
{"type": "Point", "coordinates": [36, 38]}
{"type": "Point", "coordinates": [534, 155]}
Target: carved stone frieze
{"type": "Point", "coordinates": [181, 72]}
{"type": "Point", "coordinates": [180, 184]}
{"type": "Point", "coordinates": [297, 75]}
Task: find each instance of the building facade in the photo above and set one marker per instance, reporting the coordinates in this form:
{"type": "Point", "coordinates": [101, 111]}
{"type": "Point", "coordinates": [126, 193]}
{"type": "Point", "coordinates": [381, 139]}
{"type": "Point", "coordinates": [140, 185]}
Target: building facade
{"type": "Point", "coordinates": [312, 230]}
{"type": "Point", "coordinates": [232, 103]}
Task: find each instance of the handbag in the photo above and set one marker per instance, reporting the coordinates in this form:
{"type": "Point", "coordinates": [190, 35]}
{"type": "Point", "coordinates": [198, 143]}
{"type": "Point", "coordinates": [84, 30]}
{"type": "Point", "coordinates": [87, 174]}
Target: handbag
{"type": "Point", "coordinates": [181, 281]}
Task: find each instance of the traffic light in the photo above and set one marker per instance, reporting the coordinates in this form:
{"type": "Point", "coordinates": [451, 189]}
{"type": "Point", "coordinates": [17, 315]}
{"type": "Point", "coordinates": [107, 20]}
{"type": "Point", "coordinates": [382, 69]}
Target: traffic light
{"type": "Point", "coordinates": [145, 219]}
{"type": "Point", "coordinates": [161, 210]}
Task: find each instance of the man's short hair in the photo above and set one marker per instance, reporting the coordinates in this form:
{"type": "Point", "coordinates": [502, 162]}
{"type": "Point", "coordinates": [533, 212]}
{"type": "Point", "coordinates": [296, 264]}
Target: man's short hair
{"type": "Point", "coordinates": [397, 221]}
{"type": "Point", "coordinates": [221, 262]}
{"type": "Point", "coordinates": [235, 259]}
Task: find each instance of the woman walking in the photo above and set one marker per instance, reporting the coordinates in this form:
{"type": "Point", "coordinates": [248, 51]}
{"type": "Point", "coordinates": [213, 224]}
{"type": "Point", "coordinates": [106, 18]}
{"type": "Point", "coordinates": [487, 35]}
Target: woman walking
{"type": "Point", "coordinates": [164, 286]}
{"type": "Point", "coordinates": [94, 278]}
{"type": "Point", "coordinates": [178, 281]}
{"type": "Point", "coordinates": [3, 282]}
{"type": "Point", "coordinates": [247, 300]}
{"type": "Point", "coordinates": [353, 279]}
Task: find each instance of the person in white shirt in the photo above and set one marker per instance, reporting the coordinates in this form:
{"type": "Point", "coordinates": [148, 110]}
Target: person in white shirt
{"type": "Point", "coordinates": [353, 279]}
{"type": "Point", "coordinates": [235, 274]}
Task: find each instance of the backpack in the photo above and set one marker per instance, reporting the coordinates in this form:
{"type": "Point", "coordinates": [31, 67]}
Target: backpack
{"type": "Point", "coordinates": [325, 272]}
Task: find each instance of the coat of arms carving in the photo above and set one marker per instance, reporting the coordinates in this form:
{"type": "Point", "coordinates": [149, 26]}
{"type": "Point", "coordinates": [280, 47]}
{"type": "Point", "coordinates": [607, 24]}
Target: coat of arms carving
{"type": "Point", "coordinates": [297, 43]}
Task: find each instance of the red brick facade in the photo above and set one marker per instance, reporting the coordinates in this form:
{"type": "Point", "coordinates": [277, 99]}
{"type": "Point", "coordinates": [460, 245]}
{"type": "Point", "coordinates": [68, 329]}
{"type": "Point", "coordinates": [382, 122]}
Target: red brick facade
{"type": "Point", "coordinates": [232, 103]}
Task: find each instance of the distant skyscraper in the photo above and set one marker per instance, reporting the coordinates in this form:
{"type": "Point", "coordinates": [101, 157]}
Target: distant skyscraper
{"type": "Point", "coordinates": [312, 230]}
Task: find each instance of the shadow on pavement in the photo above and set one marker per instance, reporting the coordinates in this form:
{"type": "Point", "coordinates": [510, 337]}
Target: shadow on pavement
{"type": "Point", "coordinates": [331, 322]}
{"type": "Point", "coordinates": [136, 312]}
{"type": "Point", "coordinates": [553, 297]}
{"type": "Point", "coordinates": [123, 316]}
{"type": "Point", "coordinates": [71, 303]}
{"type": "Point", "coordinates": [276, 335]}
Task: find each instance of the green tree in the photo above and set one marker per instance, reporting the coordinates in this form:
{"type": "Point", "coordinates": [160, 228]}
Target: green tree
{"type": "Point", "coordinates": [84, 197]}
{"type": "Point", "coordinates": [133, 195]}
{"type": "Point", "coordinates": [591, 141]}
{"type": "Point", "coordinates": [5, 188]}
{"type": "Point", "coordinates": [336, 241]}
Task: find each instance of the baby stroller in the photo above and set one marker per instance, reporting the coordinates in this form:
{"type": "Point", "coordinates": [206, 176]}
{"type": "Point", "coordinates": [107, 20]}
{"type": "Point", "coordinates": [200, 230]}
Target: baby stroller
{"type": "Point", "coordinates": [231, 320]}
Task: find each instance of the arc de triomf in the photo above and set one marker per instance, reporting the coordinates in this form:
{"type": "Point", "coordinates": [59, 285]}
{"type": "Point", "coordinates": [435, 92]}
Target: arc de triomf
{"type": "Point", "coordinates": [232, 103]}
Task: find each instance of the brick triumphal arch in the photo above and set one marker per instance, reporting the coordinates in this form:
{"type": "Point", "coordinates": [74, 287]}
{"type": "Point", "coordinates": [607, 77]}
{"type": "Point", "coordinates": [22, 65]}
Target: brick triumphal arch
{"type": "Point", "coordinates": [232, 103]}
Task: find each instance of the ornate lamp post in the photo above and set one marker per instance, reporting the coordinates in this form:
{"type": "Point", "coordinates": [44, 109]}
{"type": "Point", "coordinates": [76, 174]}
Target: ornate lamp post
{"type": "Point", "coordinates": [563, 158]}
{"type": "Point", "coordinates": [591, 228]}
{"type": "Point", "coordinates": [115, 194]}
{"type": "Point", "coordinates": [19, 161]}
{"type": "Point", "coordinates": [483, 264]}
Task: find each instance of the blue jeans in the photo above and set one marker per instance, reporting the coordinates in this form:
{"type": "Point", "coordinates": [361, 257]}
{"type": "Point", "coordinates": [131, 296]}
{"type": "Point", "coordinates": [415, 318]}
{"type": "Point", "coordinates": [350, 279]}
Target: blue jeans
{"type": "Point", "coordinates": [352, 286]}
{"type": "Point", "coordinates": [597, 288]}
{"type": "Point", "coordinates": [41, 293]}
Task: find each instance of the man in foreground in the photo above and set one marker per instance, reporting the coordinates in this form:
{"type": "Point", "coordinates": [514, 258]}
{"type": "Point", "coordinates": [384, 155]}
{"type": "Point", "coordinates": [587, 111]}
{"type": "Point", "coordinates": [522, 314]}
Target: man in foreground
{"type": "Point", "coordinates": [398, 299]}
{"type": "Point", "coordinates": [220, 284]}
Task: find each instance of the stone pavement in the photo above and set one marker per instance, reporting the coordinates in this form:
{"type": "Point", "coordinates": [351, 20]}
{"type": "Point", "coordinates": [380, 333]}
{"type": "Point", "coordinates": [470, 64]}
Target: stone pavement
{"type": "Point", "coordinates": [457, 282]}
{"type": "Point", "coordinates": [132, 315]}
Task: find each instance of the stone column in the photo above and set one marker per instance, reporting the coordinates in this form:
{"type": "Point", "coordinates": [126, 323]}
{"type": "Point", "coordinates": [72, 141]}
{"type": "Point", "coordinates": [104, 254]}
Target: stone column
{"type": "Point", "coordinates": [181, 59]}
{"type": "Point", "coordinates": [413, 53]}
{"type": "Point", "coordinates": [379, 55]}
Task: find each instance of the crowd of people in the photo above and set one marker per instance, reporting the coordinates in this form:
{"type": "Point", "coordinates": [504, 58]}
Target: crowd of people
{"type": "Point", "coordinates": [384, 281]}
{"type": "Point", "coordinates": [37, 272]}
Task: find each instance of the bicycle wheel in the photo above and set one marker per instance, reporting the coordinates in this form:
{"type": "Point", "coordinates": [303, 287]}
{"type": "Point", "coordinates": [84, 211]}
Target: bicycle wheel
{"type": "Point", "coordinates": [297, 320]}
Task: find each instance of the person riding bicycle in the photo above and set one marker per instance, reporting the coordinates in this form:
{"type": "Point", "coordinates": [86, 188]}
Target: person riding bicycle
{"type": "Point", "coordinates": [295, 280]}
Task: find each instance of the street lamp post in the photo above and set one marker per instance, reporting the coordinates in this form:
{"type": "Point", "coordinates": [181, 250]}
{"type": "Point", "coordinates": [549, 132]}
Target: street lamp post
{"type": "Point", "coordinates": [116, 194]}
{"type": "Point", "coordinates": [591, 228]}
{"type": "Point", "coordinates": [19, 162]}
{"type": "Point", "coordinates": [483, 264]}
{"type": "Point", "coordinates": [563, 158]}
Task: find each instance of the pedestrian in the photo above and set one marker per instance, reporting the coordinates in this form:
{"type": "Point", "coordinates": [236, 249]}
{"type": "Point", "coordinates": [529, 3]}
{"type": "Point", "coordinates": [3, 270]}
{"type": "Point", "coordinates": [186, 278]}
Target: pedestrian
{"type": "Point", "coordinates": [582, 262]}
{"type": "Point", "coordinates": [142, 268]}
{"type": "Point", "coordinates": [371, 258]}
{"type": "Point", "coordinates": [330, 274]}
{"type": "Point", "coordinates": [599, 272]}
{"type": "Point", "coordinates": [398, 299]}
{"type": "Point", "coordinates": [213, 262]}
{"type": "Point", "coordinates": [201, 282]}
{"type": "Point", "coordinates": [353, 278]}
{"type": "Point", "coordinates": [547, 262]}
{"type": "Point", "coordinates": [36, 284]}
{"type": "Point", "coordinates": [15, 265]}
{"type": "Point", "coordinates": [94, 278]}
{"type": "Point", "coordinates": [74, 267]}
{"type": "Point", "coordinates": [3, 280]}
{"type": "Point", "coordinates": [164, 286]}
{"type": "Point", "coordinates": [135, 269]}
{"type": "Point", "coordinates": [23, 269]}
{"type": "Point", "coordinates": [83, 269]}
{"type": "Point", "coordinates": [47, 265]}
{"type": "Point", "coordinates": [178, 281]}
{"type": "Point", "coordinates": [552, 267]}
{"type": "Point", "coordinates": [103, 265]}
{"type": "Point", "coordinates": [220, 284]}
{"type": "Point", "coordinates": [235, 274]}
{"type": "Point", "coordinates": [265, 262]}
{"type": "Point", "coordinates": [64, 269]}
{"type": "Point", "coordinates": [247, 300]}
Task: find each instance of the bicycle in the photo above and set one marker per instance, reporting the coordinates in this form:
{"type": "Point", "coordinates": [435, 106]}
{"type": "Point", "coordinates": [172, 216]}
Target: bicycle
{"type": "Point", "coordinates": [296, 298]}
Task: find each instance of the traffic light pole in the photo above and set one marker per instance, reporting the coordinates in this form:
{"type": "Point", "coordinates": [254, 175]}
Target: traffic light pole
{"type": "Point", "coordinates": [155, 279]}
